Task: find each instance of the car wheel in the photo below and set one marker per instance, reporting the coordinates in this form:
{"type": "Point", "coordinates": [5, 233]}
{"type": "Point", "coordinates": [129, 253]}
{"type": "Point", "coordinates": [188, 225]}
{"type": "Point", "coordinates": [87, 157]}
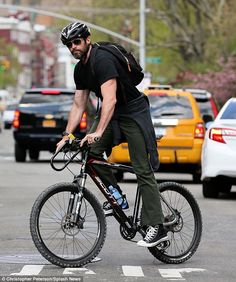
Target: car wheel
{"type": "Point", "coordinates": [196, 177]}
{"type": "Point", "coordinates": [225, 186]}
{"type": "Point", "coordinates": [20, 153]}
{"type": "Point", "coordinates": [7, 126]}
{"type": "Point", "coordinates": [34, 155]}
{"type": "Point", "coordinates": [210, 188]}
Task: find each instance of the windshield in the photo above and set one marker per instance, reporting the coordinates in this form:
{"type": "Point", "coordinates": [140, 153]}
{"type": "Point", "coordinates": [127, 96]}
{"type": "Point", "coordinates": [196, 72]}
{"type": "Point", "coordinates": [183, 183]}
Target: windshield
{"type": "Point", "coordinates": [42, 99]}
{"type": "Point", "coordinates": [44, 103]}
{"type": "Point", "coordinates": [230, 111]}
{"type": "Point", "coordinates": [164, 106]}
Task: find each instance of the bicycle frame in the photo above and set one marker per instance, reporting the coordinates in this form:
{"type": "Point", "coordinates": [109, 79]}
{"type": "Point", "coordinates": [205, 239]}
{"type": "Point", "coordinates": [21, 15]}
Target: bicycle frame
{"type": "Point", "coordinates": [87, 168]}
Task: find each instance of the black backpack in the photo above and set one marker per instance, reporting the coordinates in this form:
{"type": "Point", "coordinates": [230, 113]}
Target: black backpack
{"type": "Point", "coordinates": [126, 59]}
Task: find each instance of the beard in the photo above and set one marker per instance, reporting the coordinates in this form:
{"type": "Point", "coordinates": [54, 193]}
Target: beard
{"type": "Point", "coordinates": [80, 54]}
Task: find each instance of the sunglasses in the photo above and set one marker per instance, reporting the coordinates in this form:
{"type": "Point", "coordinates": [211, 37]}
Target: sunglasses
{"type": "Point", "coordinates": [75, 42]}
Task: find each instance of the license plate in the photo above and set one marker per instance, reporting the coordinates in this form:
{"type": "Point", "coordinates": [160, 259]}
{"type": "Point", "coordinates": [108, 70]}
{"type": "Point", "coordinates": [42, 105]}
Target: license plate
{"type": "Point", "coordinates": [160, 131]}
{"type": "Point", "coordinates": [49, 123]}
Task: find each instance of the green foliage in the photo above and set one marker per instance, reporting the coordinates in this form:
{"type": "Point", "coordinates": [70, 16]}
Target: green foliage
{"type": "Point", "coordinates": [167, 24]}
{"type": "Point", "coordinates": [9, 66]}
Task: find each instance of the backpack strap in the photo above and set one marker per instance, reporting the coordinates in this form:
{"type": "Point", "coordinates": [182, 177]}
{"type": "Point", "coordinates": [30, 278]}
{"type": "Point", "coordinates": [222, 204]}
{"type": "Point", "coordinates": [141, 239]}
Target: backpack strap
{"type": "Point", "coordinates": [92, 57]}
{"type": "Point", "coordinates": [96, 46]}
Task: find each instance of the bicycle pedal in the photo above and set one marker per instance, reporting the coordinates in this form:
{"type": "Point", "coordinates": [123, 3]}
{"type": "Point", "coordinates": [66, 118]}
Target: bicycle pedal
{"type": "Point", "coordinates": [163, 245]}
{"type": "Point", "coordinates": [109, 214]}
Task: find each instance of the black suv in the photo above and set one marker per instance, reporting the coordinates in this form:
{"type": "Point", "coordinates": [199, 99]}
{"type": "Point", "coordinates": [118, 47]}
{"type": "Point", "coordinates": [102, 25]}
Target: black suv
{"type": "Point", "coordinates": [40, 119]}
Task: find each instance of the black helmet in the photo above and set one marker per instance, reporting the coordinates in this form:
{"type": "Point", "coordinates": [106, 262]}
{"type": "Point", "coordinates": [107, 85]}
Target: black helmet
{"type": "Point", "coordinates": [74, 30]}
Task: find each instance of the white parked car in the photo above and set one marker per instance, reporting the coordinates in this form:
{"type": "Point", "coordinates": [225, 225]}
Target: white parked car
{"type": "Point", "coordinates": [8, 115]}
{"type": "Point", "coordinates": [219, 152]}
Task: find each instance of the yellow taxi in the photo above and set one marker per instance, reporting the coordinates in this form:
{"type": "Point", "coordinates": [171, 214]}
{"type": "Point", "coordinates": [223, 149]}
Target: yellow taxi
{"type": "Point", "coordinates": [177, 121]}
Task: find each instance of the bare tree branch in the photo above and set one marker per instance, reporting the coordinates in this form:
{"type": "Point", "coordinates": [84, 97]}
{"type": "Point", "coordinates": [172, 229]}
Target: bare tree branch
{"type": "Point", "coordinates": [190, 23]}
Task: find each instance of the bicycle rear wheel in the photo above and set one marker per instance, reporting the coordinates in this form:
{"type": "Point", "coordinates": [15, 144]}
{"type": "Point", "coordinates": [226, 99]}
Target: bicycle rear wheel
{"type": "Point", "coordinates": [185, 234]}
{"type": "Point", "coordinates": [57, 237]}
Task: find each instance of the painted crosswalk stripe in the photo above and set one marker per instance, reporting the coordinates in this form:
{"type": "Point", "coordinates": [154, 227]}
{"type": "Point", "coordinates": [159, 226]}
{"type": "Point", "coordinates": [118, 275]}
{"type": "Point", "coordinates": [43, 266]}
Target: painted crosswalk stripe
{"type": "Point", "coordinates": [132, 270]}
{"type": "Point", "coordinates": [175, 274]}
{"type": "Point", "coordinates": [30, 270]}
{"type": "Point", "coordinates": [69, 270]}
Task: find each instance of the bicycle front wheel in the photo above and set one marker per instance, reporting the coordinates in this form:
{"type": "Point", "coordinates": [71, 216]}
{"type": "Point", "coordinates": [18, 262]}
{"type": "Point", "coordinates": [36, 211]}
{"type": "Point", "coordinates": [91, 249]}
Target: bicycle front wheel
{"type": "Point", "coordinates": [184, 234]}
{"type": "Point", "coordinates": [57, 237]}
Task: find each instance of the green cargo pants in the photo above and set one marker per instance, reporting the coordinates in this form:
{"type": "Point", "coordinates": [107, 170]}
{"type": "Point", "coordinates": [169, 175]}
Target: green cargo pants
{"type": "Point", "coordinates": [151, 206]}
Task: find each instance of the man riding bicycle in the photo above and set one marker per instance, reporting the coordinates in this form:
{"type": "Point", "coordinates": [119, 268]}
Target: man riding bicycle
{"type": "Point", "coordinates": [124, 114]}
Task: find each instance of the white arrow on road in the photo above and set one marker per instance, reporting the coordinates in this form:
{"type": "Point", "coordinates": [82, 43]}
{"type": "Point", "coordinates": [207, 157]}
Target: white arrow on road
{"type": "Point", "coordinates": [29, 270]}
{"type": "Point", "coordinates": [175, 274]}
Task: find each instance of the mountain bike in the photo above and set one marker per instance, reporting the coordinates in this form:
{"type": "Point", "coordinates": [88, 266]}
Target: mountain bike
{"type": "Point", "coordinates": [68, 224]}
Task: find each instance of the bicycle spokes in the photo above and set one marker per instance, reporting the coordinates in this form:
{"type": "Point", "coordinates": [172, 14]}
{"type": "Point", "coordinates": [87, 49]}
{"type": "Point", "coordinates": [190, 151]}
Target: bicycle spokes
{"type": "Point", "coordinates": [182, 220]}
{"type": "Point", "coordinates": [61, 235]}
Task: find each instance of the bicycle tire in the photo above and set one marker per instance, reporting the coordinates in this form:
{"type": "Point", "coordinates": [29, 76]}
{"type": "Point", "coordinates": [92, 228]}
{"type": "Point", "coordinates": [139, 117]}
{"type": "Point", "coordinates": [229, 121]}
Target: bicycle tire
{"type": "Point", "coordinates": [80, 244]}
{"type": "Point", "coordinates": [181, 246]}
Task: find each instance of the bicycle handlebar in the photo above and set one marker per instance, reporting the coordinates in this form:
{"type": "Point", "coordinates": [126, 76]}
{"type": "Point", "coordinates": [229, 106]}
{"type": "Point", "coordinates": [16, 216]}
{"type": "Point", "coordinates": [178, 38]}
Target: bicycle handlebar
{"type": "Point", "coordinates": [72, 144]}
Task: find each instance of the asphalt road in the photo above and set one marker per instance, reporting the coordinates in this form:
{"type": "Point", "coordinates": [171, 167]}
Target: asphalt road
{"type": "Point", "coordinates": [119, 260]}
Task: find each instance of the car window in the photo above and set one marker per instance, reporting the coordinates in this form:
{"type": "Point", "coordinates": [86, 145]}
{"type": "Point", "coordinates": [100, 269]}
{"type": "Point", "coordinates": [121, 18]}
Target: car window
{"type": "Point", "coordinates": [205, 107]}
{"type": "Point", "coordinates": [164, 106]}
{"type": "Point", "coordinates": [230, 111]}
{"type": "Point", "coordinates": [38, 98]}
{"type": "Point", "coordinates": [11, 107]}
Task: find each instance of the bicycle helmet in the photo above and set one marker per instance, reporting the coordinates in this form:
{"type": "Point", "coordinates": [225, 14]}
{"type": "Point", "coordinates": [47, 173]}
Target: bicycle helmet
{"type": "Point", "coordinates": [74, 30]}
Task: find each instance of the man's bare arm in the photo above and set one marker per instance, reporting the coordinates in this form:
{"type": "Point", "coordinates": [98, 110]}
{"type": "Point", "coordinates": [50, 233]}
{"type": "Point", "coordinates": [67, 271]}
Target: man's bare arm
{"type": "Point", "coordinates": [76, 112]}
{"type": "Point", "coordinates": [108, 90]}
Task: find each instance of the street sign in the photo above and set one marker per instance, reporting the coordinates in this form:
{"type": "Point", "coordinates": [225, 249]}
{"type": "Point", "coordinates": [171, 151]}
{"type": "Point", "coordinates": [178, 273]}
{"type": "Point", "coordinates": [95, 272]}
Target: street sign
{"type": "Point", "coordinates": [153, 60]}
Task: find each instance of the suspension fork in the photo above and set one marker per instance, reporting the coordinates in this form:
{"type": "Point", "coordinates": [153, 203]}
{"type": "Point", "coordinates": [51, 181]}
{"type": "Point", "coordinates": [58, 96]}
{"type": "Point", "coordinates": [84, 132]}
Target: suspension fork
{"type": "Point", "coordinates": [80, 181]}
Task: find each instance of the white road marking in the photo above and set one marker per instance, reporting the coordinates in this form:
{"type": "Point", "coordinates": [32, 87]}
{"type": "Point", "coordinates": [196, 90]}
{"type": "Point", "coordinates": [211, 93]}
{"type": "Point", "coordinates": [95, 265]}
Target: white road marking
{"type": "Point", "coordinates": [175, 274]}
{"type": "Point", "coordinates": [96, 259]}
{"type": "Point", "coordinates": [7, 158]}
{"type": "Point", "coordinates": [30, 270]}
{"type": "Point", "coordinates": [128, 271]}
{"type": "Point", "coordinates": [70, 270]}
{"type": "Point", "coordinates": [132, 270]}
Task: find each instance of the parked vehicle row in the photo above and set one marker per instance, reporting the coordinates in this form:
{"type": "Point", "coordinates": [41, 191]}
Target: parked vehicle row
{"type": "Point", "coordinates": [179, 117]}
{"type": "Point", "coordinates": [42, 115]}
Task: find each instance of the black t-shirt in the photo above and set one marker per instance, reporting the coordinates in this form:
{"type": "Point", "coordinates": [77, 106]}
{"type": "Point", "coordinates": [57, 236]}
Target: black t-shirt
{"type": "Point", "coordinates": [106, 66]}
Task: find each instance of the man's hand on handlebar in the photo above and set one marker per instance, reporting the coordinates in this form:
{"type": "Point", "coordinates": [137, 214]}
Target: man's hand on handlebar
{"type": "Point", "coordinates": [90, 138]}
{"type": "Point", "coordinates": [61, 143]}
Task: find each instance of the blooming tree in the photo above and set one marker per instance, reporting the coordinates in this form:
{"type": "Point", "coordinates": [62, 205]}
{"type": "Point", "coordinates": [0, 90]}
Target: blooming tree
{"type": "Point", "coordinates": [221, 83]}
